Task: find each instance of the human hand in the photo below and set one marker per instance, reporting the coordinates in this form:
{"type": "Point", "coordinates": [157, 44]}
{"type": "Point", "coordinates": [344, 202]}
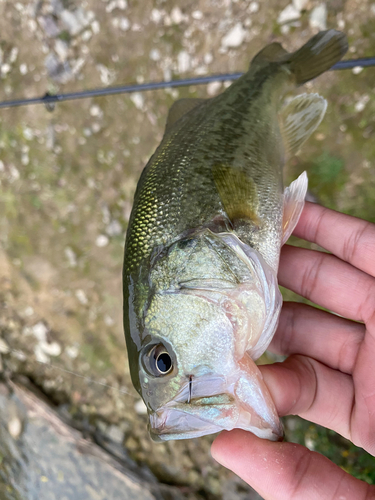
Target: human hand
{"type": "Point", "coordinates": [329, 376]}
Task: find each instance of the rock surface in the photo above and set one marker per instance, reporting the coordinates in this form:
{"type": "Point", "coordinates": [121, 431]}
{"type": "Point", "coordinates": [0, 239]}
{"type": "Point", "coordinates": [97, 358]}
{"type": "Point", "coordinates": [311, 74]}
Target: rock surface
{"type": "Point", "coordinates": [65, 465]}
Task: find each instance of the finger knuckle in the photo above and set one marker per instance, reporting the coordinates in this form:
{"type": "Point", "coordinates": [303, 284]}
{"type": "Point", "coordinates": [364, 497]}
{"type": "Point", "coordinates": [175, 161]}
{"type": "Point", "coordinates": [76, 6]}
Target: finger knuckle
{"type": "Point", "coordinates": [319, 223]}
{"type": "Point", "coordinates": [310, 276]}
{"type": "Point", "coordinates": [302, 467]}
{"type": "Point", "coordinates": [307, 383]}
{"type": "Point", "coordinates": [352, 243]}
{"type": "Point", "coordinates": [348, 352]}
{"type": "Point", "coordinates": [367, 306]}
{"type": "Point", "coordinates": [289, 329]}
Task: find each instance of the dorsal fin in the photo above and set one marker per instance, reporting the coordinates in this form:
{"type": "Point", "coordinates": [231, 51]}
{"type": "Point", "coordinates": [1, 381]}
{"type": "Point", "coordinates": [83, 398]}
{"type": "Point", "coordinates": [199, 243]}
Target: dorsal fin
{"type": "Point", "coordinates": [237, 192]}
{"type": "Point", "coordinates": [180, 108]}
{"type": "Point", "coordinates": [299, 118]}
{"type": "Point", "coordinates": [274, 52]}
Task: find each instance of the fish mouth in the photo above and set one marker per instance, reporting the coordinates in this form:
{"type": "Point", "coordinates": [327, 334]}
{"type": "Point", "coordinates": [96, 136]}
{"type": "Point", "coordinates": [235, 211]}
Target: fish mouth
{"type": "Point", "coordinates": [185, 420]}
{"type": "Point", "coordinates": [207, 415]}
{"type": "Point", "coordinates": [178, 425]}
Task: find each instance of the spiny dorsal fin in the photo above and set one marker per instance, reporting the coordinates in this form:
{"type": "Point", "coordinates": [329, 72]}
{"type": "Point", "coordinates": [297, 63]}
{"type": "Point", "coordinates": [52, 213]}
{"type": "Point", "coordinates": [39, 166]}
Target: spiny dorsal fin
{"type": "Point", "coordinates": [237, 192]}
{"type": "Point", "coordinates": [299, 118]}
{"type": "Point", "coordinates": [294, 201]}
{"type": "Point", "coordinates": [180, 108]}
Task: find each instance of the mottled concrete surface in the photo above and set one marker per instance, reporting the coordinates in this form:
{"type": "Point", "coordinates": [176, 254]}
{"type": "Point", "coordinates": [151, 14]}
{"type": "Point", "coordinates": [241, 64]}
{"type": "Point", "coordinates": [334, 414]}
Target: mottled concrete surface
{"type": "Point", "coordinates": [67, 180]}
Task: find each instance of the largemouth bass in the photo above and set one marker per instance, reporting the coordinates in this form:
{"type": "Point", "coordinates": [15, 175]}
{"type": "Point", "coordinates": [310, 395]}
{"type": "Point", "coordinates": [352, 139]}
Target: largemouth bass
{"type": "Point", "coordinates": [210, 214]}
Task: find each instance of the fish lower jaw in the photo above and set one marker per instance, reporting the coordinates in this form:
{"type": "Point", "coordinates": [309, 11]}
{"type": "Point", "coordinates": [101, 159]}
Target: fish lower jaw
{"type": "Point", "coordinates": [247, 422]}
{"type": "Point", "coordinates": [185, 421]}
{"type": "Point", "coordinates": [169, 426]}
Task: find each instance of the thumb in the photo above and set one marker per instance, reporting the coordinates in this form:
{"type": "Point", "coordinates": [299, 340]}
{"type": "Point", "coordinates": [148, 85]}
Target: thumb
{"type": "Point", "coordinates": [286, 471]}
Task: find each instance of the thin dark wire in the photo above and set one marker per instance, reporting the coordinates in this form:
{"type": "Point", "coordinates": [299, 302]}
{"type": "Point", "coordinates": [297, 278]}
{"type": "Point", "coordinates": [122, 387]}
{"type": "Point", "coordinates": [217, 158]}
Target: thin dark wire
{"type": "Point", "coordinates": [88, 379]}
{"type": "Point", "coordinates": [49, 100]}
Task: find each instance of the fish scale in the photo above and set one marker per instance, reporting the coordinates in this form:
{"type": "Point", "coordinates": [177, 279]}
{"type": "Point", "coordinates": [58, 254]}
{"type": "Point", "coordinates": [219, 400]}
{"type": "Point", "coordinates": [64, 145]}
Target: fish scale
{"type": "Point", "coordinates": [186, 188]}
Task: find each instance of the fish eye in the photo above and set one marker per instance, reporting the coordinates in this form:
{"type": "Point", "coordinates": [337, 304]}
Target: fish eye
{"type": "Point", "coordinates": [158, 361]}
{"type": "Point", "coordinates": [163, 362]}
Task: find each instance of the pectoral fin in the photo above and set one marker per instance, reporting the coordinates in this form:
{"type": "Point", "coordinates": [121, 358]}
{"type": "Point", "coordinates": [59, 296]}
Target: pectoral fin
{"type": "Point", "coordinates": [180, 108]}
{"type": "Point", "coordinates": [237, 192]}
{"type": "Point", "coordinates": [299, 118]}
{"type": "Point", "coordinates": [294, 200]}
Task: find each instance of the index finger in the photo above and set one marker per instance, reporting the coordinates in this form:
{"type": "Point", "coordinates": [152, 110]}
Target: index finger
{"type": "Point", "coordinates": [349, 238]}
{"type": "Point", "coordinates": [285, 471]}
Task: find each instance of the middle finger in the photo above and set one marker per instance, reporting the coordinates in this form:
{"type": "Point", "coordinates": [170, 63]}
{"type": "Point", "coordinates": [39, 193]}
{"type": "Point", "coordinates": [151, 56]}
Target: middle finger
{"type": "Point", "coordinates": [328, 338]}
{"type": "Point", "coordinates": [328, 281]}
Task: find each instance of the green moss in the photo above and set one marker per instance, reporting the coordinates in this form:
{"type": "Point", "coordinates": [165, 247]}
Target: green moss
{"type": "Point", "coordinates": [65, 36]}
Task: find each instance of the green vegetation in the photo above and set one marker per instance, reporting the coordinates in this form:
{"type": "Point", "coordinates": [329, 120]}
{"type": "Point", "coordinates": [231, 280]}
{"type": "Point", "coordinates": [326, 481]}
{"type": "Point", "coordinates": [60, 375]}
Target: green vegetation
{"type": "Point", "coordinates": [65, 36]}
{"type": "Point", "coordinates": [338, 449]}
{"type": "Point", "coordinates": [327, 176]}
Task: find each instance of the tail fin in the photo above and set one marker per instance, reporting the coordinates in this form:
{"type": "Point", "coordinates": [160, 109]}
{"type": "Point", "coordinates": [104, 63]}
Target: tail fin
{"type": "Point", "coordinates": [319, 54]}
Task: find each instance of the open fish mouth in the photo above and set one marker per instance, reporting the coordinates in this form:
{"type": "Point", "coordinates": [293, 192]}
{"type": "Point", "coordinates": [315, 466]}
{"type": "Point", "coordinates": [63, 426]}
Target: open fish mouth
{"type": "Point", "coordinates": [188, 420]}
{"type": "Point", "coordinates": [207, 416]}
{"type": "Point", "coordinates": [175, 424]}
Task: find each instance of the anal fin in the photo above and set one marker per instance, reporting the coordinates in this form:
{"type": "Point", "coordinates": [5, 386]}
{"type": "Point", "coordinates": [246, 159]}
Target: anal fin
{"type": "Point", "coordinates": [294, 201]}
